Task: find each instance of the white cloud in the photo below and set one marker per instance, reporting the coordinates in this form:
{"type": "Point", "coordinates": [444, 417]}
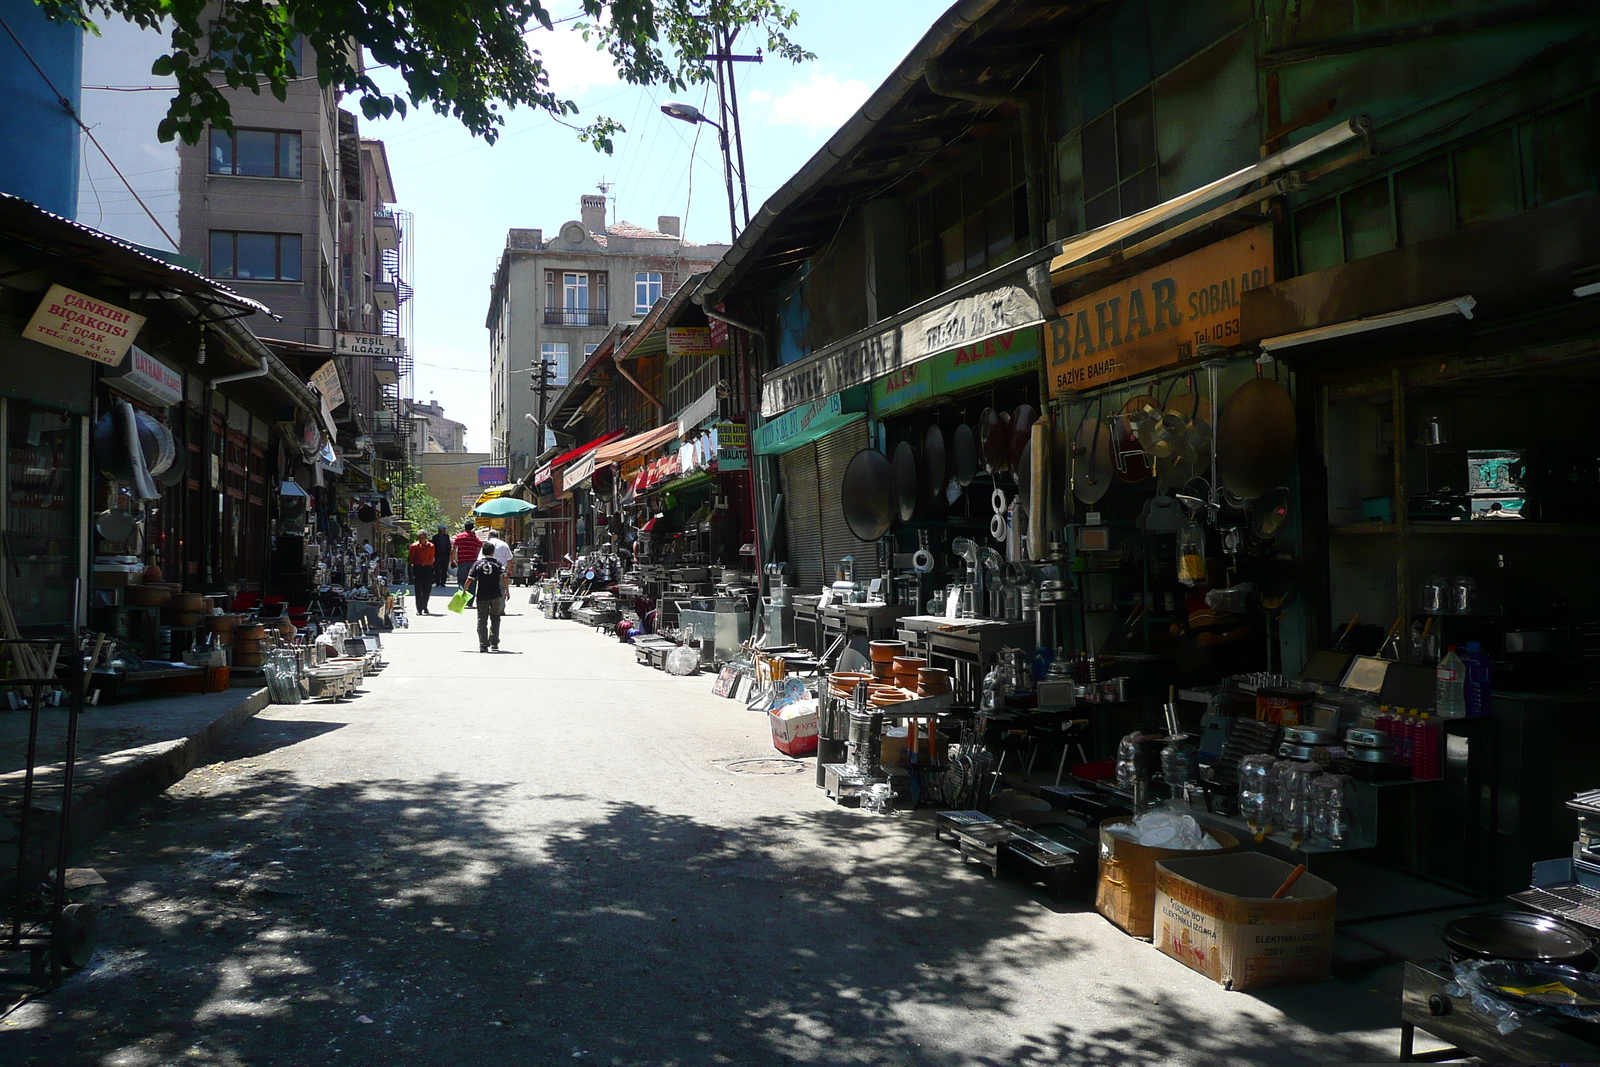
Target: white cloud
{"type": "Point", "coordinates": [575, 65]}
{"type": "Point", "coordinates": [823, 103]}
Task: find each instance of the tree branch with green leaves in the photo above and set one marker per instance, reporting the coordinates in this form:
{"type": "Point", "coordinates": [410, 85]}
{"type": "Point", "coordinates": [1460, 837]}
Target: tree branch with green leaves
{"type": "Point", "coordinates": [471, 60]}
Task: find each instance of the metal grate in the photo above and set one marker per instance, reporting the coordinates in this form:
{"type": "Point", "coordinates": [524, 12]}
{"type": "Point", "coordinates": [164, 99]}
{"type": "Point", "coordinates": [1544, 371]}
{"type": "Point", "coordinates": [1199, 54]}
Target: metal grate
{"type": "Point", "coordinates": [1575, 903]}
{"type": "Point", "coordinates": [1587, 803]}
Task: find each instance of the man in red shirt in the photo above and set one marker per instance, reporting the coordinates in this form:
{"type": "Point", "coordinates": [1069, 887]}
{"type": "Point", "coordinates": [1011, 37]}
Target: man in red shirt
{"type": "Point", "coordinates": [420, 556]}
{"type": "Point", "coordinates": [464, 551]}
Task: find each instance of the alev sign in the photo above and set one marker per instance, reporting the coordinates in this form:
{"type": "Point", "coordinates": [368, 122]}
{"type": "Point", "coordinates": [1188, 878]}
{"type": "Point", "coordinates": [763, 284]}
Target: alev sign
{"type": "Point", "coordinates": [1158, 318]}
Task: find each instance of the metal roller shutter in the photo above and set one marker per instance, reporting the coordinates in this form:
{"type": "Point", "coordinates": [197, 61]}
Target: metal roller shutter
{"type": "Point", "coordinates": [802, 516]}
{"type": "Point", "coordinates": [833, 456]}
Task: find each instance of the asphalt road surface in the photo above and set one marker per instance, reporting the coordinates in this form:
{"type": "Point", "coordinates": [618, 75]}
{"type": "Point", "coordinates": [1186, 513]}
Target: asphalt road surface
{"type": "Point", "coordinates": [554, 855]}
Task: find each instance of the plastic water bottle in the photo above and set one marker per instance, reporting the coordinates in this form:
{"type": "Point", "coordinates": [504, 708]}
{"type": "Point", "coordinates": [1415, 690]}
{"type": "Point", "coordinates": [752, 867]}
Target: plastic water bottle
{"type": "Point", "coordinates": [1480, 679]}
{"type": "Point", "coordinates": [1450, 686]}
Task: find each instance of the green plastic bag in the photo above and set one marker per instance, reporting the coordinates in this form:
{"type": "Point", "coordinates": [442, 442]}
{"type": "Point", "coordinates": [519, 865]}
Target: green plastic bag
{"type": "Point", "coordinates": [458, 603]}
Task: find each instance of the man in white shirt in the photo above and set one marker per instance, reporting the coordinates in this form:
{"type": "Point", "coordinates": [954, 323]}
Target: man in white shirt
{"type": "Point", "coordinates": [496, 545]}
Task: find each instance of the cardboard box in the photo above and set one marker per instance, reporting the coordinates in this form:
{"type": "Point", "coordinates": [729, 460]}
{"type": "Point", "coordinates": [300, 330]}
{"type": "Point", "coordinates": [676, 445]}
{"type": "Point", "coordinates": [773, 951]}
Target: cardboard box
{"type": "Point", "coordinates": [794, 731]}
{"type": "Point", "coordinates": [1215, 913]}
{"type": "Point", "coordinates": [1126, 890]}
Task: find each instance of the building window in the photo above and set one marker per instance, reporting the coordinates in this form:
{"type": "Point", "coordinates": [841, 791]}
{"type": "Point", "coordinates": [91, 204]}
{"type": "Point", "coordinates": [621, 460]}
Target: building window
{"type": "Point", "coordinates": [256, 153]}
{"type": "Point", "coordinates": [646, 291]}
{"type": "Point", "coordinates": [270, 257]}
{"type": "Point", "coordinates": [556, 352]}
{"type": "Point", "coordinates": [574, 298]}
{"type": "Point", "coordinates": [588, 350]}
{"type": "Point", "coordinates": [970, 219]}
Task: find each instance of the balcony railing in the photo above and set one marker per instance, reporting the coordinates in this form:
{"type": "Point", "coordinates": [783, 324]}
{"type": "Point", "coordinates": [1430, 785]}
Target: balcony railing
{"type": "Point", "coordinates": [576, 317]}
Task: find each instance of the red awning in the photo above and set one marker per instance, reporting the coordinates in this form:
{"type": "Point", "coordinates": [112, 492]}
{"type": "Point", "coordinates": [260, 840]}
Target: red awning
{"type": "Point", "coordinates": [635, 445]}
{"type": "Point", "coordinates": [568, 457]}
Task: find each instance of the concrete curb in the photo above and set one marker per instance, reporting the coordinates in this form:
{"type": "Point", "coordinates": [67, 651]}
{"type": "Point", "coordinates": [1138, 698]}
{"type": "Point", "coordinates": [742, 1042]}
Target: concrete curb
{"type": "Point", "coordinates": [110, 785]}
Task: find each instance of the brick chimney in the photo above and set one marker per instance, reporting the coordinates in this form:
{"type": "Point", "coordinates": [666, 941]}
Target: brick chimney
{"type": "Point", "coordinates": [667, 224]}
{"type": "Point", "coordinates": [592, 210]}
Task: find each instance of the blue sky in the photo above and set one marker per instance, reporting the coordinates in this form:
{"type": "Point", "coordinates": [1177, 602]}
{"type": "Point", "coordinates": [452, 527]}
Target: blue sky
{"type": "Point", "coordinates": [466, 194]}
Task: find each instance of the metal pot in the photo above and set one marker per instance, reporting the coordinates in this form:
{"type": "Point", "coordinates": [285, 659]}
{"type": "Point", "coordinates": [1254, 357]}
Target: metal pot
{"type": "Point", "coordinates": [1515, 936]}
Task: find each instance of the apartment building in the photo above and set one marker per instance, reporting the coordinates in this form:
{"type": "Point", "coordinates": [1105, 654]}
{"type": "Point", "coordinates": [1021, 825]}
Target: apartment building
{"type": "Point", "coordinates": [432, 432]}
{"type": "Point", "coordinates": [555, 300]}
{"type": "Point", "coordinates": [295, 208]}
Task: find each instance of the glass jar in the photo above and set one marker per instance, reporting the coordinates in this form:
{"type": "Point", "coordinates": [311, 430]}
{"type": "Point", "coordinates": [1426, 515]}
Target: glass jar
{"type": "Point", "coordinates": [1331, 807]}
{"type": "Point", "coordinates": [1278, 793]}
{"type": "Point", "coordinates": [1130, 761]}
{"type": "Point", "coordinates": [1180, 764]}
{"type": "Point", "coordinates": [1297, 818]}
{"type": "Point", "coordinates": [1255, 784]}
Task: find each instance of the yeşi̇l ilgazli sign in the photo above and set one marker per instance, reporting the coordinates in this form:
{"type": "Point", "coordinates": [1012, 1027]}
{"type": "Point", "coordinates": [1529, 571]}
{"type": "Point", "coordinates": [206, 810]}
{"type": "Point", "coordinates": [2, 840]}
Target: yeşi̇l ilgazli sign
{"type": "Point", "coordinates": [1158, 318]}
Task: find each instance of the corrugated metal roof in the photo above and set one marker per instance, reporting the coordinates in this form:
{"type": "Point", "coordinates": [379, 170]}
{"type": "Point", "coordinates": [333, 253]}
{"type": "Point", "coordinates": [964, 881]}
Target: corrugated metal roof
{"type": "Point", "coordinates": [29, 222]}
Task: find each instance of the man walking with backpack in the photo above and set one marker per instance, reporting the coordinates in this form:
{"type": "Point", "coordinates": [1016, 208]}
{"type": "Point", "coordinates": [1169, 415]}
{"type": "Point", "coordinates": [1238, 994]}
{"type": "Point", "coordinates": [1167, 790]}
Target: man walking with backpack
{"type": "Point", "coordinates": [485, 580]}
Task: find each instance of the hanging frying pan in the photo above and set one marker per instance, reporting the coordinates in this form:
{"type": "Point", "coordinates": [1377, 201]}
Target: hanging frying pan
{"type": "Point", "coordinates": [366, 513]}
{"type": "Point", "coordinates": [1174, 472]}
{"type": "Point", "coordinates": [994, 437]}
{"type": "Point", "coordinates": [933, 464]}
{"type": "Point", "coordinates": [1277, 581]}
{"type": "Point", "coordinates": [906, 482]}
{"type": "Point", "coordinates": [868, 494]}
{"type": "Point", "coordinates": [1271, 513]}
{"type": "Point", "coordinates": [114, 525]}
{"type": "Point", "coordinates": [1022, 421]}
{"type": "Point", "coordinates": [1132, 465]}
{"type": "Point", "coordinates": [1255, 438]}
{"type": "Point", "coordinates": [963, 455]}
{"type": "Point", "coordinates": [1091, 466]}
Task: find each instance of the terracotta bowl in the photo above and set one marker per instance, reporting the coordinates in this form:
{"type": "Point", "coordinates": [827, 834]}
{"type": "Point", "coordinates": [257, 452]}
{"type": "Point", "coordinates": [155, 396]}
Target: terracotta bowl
{"type": "Point", "coordinates": [886, 651]}
{"type": "Point", "coordinates": [909, 664]}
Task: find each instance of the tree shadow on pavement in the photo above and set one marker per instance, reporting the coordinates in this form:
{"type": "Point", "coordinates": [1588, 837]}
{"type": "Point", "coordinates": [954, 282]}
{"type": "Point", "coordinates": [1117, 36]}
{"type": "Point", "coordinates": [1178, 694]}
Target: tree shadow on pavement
{"type": "Point", "coordinates": [267, 920]}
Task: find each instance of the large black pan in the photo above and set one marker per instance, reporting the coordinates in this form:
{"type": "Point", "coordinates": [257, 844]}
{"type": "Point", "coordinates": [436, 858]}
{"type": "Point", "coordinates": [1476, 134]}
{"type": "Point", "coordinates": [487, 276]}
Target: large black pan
{"type": "Point", "coordinates": [1255, 438]}
{"type": "Point", "coordinates": [1515, 936]}
{"type": "Point", "coordinates": [905, 480]}
{"type": "Point", "coordinates": [963, 455]}
{"type": "Point", "coordinates": [1022, 421]}
{"type": "Point", "coordinates": [868, 494]}
{"type": "Point", "coordinates": [995, 437]}
{"type": "Point", "coordinates": [933, 464]}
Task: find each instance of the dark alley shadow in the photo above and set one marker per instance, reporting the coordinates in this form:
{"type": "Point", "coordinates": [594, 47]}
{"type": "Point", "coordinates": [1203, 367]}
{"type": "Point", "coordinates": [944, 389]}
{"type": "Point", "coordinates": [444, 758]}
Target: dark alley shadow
{"type": "Point", "coordinates": [609, 933]}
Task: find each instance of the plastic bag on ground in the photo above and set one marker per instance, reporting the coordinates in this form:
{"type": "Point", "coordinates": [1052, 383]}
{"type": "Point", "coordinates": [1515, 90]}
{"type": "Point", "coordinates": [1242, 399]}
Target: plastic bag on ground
{"type": "Point", "coordinates": [1167, 828]}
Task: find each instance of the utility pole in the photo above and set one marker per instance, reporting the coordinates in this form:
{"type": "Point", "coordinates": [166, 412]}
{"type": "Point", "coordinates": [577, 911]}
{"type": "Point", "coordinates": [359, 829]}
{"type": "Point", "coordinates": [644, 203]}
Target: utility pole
{"type": "Point", "coordinates": [544, 376]}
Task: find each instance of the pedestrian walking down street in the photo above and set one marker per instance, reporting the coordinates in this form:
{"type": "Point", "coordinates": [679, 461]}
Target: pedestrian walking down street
{"type": "Point", "coordinates": [464, 552]}
{"type": "Point", "coordinates": [485, 580]}
{"type": "Point", "coordinates": [441, 557]}
{"type": "Point", "coordinates": [502, 552]}
{"type": "Point", "coordinates": [420, 556]}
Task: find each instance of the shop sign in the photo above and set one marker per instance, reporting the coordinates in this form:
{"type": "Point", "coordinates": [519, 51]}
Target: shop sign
{"type": "Point", "coordinates": [694, 341]}
{"type": "Point", "coordinates": [543, 474]}
{"type": "Point", "coordinates": [325, 379]}
{"type": "Point", "coordinates": [78, 323]}
{"type": "Point", "coordinates": [577, 471]}
{"type": "Point", "coordinates": [469, 500]}
{"type": "Point", "coordinates": [365, 344]}
{"type": "Point", "coordinates": [492, 476]}
{"type": "Point", "coordinates": [957, 370]}
{"type": "Point", "coordinates": [149, 379]}
{"type": "Point", "coordinates": [1159, 318]}
{"type": "Point", "coordinates": [702, 409]}
{"type": "Point", "coordinates": [733, 446]}
{"type": "Point", "coordinates": [802, 425]}
{"type": "Point", "coordinates": [967, 320]}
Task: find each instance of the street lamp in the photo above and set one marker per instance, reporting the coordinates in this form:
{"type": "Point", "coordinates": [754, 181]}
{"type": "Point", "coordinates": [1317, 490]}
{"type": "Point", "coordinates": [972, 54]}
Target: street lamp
{"type": "Point", "coordinates": [677, 109]}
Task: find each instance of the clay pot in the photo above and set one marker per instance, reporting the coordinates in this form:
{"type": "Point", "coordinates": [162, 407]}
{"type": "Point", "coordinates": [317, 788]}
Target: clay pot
{"type": "Point", "coordinates": [224, 624]}
{"type": "Point", "coordinates": [246, 647]}
{"type": "Point", "coordinates": [886, 651]}
{"type": "Point", "coordinates": [146, 596]}
{"type": "Point", "coordinates": [193, 602]}
{"type": "Point", "coordinates": [152, 572]}
{"type": "Point", "coordinates": [247, 659]}
{"type": "Point", "coordinates": [224, 640]}
{"type": "Point", "coordinates": [182, 618]}
{"type": "Point", "coordinates": [909, 664]}
{"type": "Point", "coordinates": [252, 632]}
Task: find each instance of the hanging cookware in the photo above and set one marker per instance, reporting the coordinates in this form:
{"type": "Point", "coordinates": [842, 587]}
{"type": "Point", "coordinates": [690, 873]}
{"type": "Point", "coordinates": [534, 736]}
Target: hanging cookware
{"type": "Point", "coordinates": [1091, 461]}
{"type": "Point", "coordinates": [997, 526]}
{"type": "Point", "coordinates": [933, 464]}
{"type": "Point", "coordinates": [1271, 513]}
{"type": "Point", "coordinates": [1174, 472]}
{"type": "Point", "coordinates": [1132, 465]}
{"type": "Point", "coordinates": [905, 480]}
{"type": "Point", "coordinates": [1515, 936]}
{"type": "Point", "coordinates": [963, 455]}
{"type": "Point", "coordinates": [1277, 580]}
{"type": "Point", "coordinates": [995, 439]}
{"type": "Point", "coordinates": [868, 494]}
{"type": "Point", "coordinates": [366, 513]}
{"type": "Point", "coordinates": [114, 525]}
{"type": "Point", "coordinates": [1022, 421]}
{"type": "Point", "coordinates": [1255, 438]}
{"type": "Point", "coordinates": [174, 473]}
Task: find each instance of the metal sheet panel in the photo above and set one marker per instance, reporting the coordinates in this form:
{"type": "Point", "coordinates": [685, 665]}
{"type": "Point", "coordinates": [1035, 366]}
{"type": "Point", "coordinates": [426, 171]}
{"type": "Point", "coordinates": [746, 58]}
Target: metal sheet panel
{"type": "Point", "coordinates": [802, 515]}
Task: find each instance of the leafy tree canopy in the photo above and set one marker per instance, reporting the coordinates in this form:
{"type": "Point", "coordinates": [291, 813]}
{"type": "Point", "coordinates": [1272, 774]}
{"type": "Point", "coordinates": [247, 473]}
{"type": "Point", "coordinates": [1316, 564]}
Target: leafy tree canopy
{"type": "Point", "coordinates": [467, 58]}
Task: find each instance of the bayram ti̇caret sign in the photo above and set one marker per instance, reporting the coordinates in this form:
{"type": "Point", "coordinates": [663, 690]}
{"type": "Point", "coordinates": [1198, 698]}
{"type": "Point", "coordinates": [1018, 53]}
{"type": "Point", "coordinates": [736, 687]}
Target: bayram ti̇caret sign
{"type": "Point", "coordinates": [1159, 318]}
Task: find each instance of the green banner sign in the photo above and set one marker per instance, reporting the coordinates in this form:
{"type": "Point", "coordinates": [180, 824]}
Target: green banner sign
{"type": "Point", "coordinates": [806, 423]}
{"type": "Point", "coordinates": [957, 370]}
